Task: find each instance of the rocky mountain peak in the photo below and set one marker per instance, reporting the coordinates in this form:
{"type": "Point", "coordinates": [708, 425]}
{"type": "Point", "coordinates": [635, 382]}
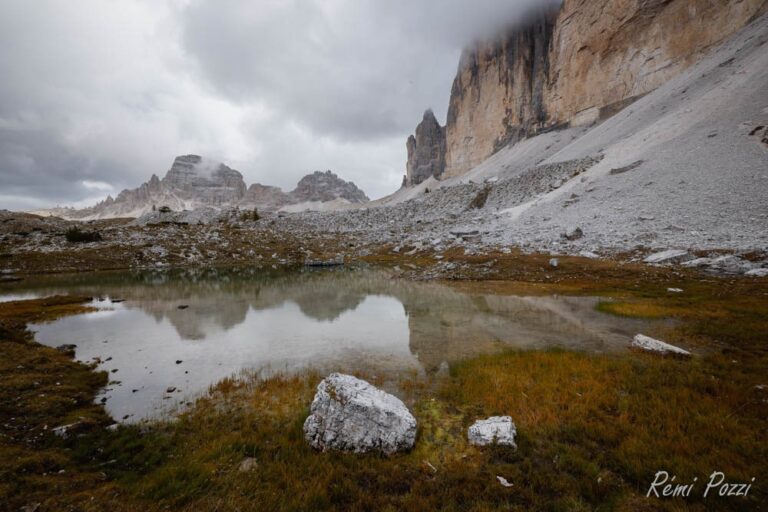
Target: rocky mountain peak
{"type": "Point", "coordinates": [327, 186]}
{"type": "Point", "coordinates": [192, 174]}
{"type": "Point", "coordinates": [426, 151]}
{"type": "Point", "coordinates": [195, 182]}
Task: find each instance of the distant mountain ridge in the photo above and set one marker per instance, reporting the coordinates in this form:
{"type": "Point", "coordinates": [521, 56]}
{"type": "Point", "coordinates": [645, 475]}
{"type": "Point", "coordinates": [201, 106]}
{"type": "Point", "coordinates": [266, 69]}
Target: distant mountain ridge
{"type": "Point", "coordinates": [195, 182]}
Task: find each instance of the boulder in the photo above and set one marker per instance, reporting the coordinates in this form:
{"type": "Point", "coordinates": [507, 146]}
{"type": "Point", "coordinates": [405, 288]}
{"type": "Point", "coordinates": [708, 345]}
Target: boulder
{"type": "Point", "coordinates": [731, 264]}
{"type": "Point", "coordinates": [349, 414]}
{"type": "Point", "coordinates": [654, 345]}
{"type": "Point", "coordinates": [494, 430]}
{"type": "Point", "coordinates": [698, 263]}
{"type": "Point", "coordinates": [670, 256]}
{"type": "Point", "coordinates": [573, 234]}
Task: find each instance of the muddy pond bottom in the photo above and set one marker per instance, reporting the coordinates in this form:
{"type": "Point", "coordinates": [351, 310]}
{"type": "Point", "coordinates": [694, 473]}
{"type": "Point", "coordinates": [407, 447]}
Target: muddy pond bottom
{"type": "Point", "coordinates": [166, 337]}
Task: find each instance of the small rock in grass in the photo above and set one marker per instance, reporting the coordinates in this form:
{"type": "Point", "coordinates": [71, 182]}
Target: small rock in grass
{"type": "Point", "coordinates": [65, 430]}
{"type": "Point", "coordinates": [675, 290]}
{"type": "Point", "coordinates": [503, 481]}
{"type": "Point", "coordinates": [554, 262]}
{"type": "Point", "coordinates": [248, 464]}
{"type": "Point", "coordinates": [494, 430]}
{"type": "Point", "coordinates": [654, 345]}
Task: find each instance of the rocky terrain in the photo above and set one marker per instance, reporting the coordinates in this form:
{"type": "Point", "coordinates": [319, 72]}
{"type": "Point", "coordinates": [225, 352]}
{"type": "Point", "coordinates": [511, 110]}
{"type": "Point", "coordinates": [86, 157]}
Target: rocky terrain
{"type": "Point", "coordinates": [194, 182]}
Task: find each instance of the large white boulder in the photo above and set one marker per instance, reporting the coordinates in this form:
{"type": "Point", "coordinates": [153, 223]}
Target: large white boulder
{"type": "Point", "coordinates": [349, 414]}
{"type": "Point", "coordinates": [653, 345]}
{"type": "Point", "coordinates": [494, 430]}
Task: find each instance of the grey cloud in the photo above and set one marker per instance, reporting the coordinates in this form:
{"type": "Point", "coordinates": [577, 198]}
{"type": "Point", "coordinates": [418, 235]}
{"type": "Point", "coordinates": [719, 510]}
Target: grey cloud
{"type": "Point", "coordinates": [359, 70]}
{"type": "Point", "coordinates": [111, 92]}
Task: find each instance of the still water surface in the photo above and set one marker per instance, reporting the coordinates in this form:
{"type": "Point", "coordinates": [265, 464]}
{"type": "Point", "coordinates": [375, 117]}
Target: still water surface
{"type": "Point", "coordinates": [166, 337]}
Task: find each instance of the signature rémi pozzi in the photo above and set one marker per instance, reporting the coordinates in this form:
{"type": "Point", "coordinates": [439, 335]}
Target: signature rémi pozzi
{"type": "Point", "coordinates": [666, 486]}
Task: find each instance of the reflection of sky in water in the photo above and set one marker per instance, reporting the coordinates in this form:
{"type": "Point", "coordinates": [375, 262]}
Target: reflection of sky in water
{"type": "Point", "coordinates": [337, 320]}
{"type": "Point", "coordinates": [17, 296]}
{"type": "Point", "coordinates": [145, 350]}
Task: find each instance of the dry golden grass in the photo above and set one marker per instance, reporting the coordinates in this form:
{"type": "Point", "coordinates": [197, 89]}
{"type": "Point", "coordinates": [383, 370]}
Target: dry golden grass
{"type": "Point", "coordinates": [42, 388]}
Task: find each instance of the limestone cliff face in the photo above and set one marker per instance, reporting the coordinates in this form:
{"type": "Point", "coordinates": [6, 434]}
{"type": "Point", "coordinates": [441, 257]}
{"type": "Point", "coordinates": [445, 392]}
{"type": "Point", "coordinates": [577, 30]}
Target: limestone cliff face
{"type": "Point", "coordinates": [193, 178]}
{"type": "Point", "coordinates": [426, 151]}
{"type": "Point", "coordinates": [576, 65]}
{"type": "Point", "coordinates": [498, 94]}
{"type": "Point", "coordinates": [266, 197]}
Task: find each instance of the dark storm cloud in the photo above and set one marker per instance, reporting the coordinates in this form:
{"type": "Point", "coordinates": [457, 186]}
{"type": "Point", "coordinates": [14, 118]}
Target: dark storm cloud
{"type": "Point", "coordinates": [358, 69]}
{"type": "Point", "coordinates": [96, 96]}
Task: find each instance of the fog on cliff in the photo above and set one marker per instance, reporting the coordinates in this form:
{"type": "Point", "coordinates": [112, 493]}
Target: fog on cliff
{"type": "Point", "coordinates": [96, 96]}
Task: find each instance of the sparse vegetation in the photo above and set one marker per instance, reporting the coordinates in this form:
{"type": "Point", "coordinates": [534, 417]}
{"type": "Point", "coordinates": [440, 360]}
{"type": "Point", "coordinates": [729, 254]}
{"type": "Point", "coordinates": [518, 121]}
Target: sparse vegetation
{"type": "Point", "coordinates": [250, 216]}
{"type": "Point", "coordinates": [76, 235]}
{"type": "Point", "coordinates": [480, 199]}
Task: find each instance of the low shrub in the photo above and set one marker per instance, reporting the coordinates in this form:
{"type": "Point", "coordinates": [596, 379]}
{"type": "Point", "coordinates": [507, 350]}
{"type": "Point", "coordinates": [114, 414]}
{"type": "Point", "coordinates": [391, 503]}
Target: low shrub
{"type": "Point", "coordinates": [76, 235]}
{"type": "Point", "coordinates": [479, 200]}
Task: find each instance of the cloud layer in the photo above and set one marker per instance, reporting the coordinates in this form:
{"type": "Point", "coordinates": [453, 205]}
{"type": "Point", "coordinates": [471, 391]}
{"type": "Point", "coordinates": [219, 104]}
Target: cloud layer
{"type": "Point", "coordinates": [97, 96]}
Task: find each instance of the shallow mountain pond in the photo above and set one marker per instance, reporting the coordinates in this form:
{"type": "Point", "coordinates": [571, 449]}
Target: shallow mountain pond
{"type": "Point", "coordinates": [166, 337]}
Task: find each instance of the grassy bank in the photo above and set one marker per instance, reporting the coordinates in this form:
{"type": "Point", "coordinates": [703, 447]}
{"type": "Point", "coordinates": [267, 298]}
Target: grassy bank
{"type": "Point", "coordinates": [593, 429]}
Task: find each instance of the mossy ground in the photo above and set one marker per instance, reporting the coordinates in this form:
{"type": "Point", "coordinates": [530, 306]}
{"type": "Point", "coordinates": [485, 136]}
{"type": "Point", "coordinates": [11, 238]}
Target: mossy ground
{"type": "Point", "coordinates": [593, 429]}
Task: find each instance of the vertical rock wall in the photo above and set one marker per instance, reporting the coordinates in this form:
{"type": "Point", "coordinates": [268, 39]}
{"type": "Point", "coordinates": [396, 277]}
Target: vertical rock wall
{"type": "Point", "coordinates": [426, 151]}
{"type": "Point", "coordinates": [575, 65]}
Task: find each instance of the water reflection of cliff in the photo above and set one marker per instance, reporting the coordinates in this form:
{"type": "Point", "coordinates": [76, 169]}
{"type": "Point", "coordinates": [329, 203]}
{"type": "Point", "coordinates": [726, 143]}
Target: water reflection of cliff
{"type": "Point", "coordinates": [445, 324]}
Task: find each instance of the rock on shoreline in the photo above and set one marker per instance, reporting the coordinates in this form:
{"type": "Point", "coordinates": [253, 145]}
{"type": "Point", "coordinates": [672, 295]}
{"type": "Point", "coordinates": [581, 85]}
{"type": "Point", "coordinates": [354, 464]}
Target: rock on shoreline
{"type": "Point", "coordinates": [349, 414]}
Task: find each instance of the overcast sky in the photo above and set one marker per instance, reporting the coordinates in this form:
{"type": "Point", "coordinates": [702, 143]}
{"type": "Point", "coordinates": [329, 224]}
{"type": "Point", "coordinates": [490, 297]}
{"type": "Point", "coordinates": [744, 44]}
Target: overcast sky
{"type": "Point", "coordinates": [97, 95]}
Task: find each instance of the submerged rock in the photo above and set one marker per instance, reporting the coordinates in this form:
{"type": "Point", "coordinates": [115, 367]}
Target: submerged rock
{"type": "Point", "coordinates": [349, 414]}
{"type": "Point", "coordinates": [654, 345]}
{"type": "Point", "coordinates": [68, 349]}
{"type": "Point", "coordinates": [494, 430]}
